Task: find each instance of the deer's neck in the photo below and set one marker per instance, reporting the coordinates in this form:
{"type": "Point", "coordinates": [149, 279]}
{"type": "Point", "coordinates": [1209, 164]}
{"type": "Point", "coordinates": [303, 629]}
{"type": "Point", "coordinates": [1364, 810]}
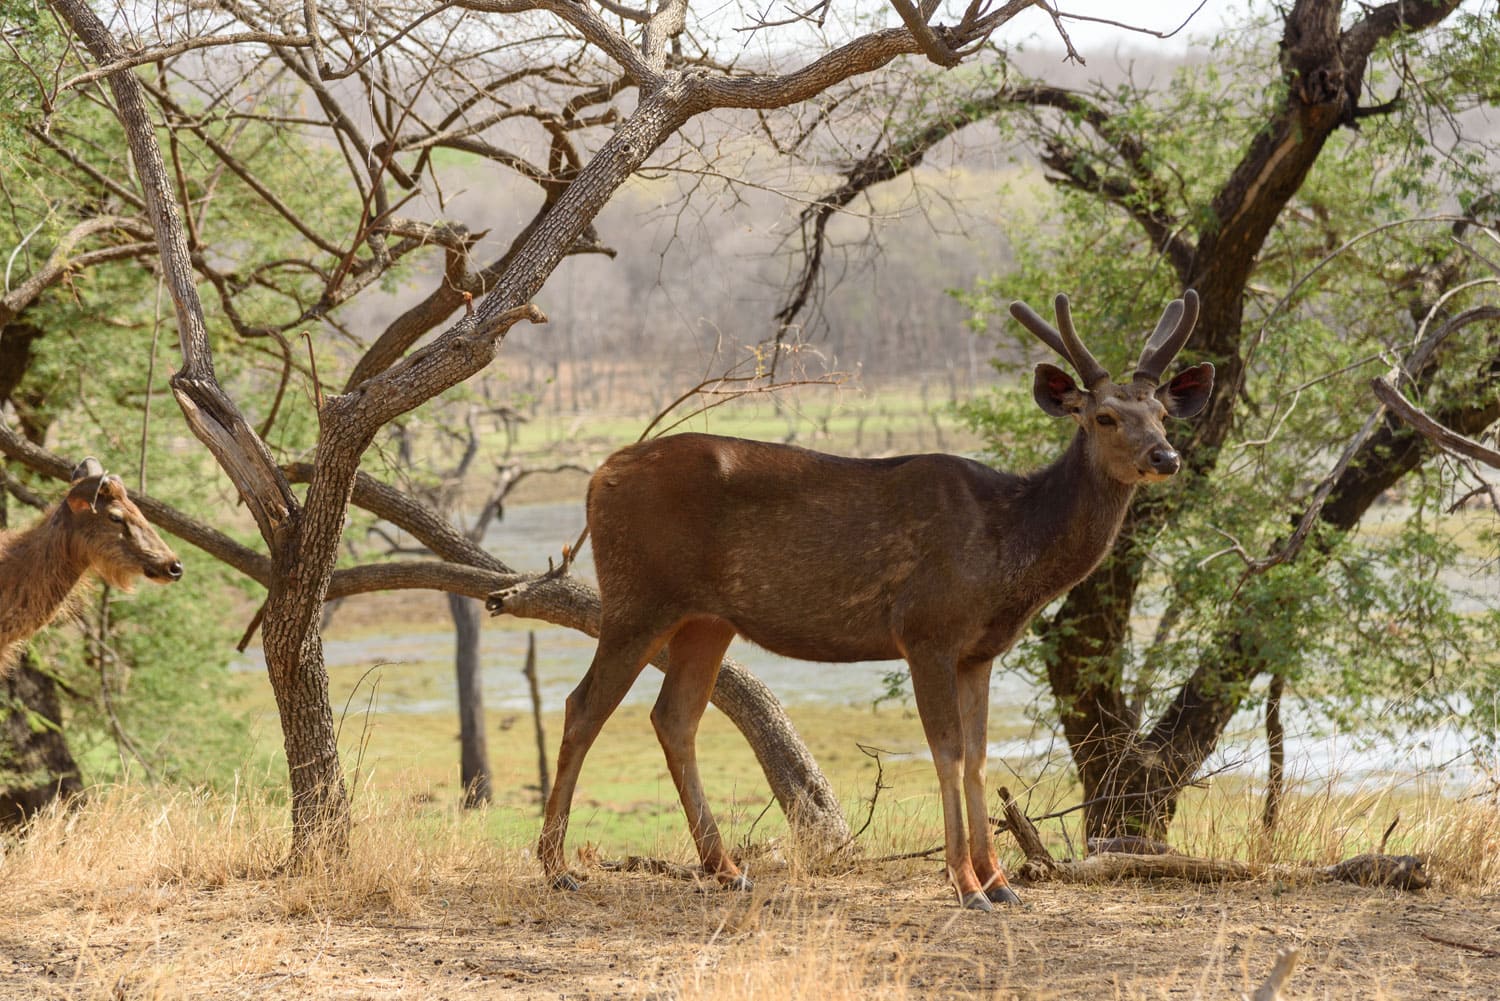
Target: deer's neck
{"type": "Point", "coordinates": [1073, 511]}
{"type": "Point", "coordinates": [38, 570]}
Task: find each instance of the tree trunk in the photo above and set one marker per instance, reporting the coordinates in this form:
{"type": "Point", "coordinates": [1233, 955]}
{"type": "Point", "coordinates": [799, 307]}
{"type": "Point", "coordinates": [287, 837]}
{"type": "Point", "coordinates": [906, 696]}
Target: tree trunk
{"type": "Point", "coordinates": [36, 767]}
{"type": "Point", "coordinates": [544, 775]}
{"type": "Point", "coordinates": [813, 812]}
{"type": "Point", "coordinates": [474, 755]}
{"type": "Point", "coordinates": [299, 678]}
{"type": "Point", "coordinates": [1276, 753]}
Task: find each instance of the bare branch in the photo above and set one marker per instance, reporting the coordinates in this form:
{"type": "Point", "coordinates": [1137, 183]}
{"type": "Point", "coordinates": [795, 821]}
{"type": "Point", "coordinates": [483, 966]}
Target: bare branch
{"type": "Point", "coordinates": [157, 54]}
{"type": "Point", "coordinates": [862, 55]}
{"type": "Point", "coordinates": [1134, 28]}
{"type": "Point", "coordinates": [666, 24]}
{"type": "Point", "coordinates": [213, 417]}
{"type": "Point", "coordinates": [1413, 363]}
{"type": "Point", "coordinates": [61, 261]}
{"type": "Point", "coordinates": [1444, 438]}
{"type": "Point", "coordinates": [1141, 194]}
{"type": "Point", "coordinates": [589, 24]}
{"type": "Point", "coordinates": [628, 13]}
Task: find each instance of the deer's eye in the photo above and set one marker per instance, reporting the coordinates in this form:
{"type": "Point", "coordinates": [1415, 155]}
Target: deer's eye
{"type": "Point", "coordinates": [1105, 421]}
{"type": "Point", "coordinates": [117, 517]}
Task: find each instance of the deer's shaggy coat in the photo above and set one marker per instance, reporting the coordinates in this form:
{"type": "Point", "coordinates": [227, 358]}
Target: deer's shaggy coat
{"type": "Point", "coordinates": [95, 529]}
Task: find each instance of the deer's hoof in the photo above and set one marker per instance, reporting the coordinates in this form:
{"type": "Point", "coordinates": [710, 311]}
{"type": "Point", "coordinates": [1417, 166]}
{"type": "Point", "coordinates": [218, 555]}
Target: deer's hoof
{"type": "Point", "coordinates": [1002, 895]}
{"type": "Point", "coordinates": [977, 901]}
{"type": "Point", "coordinates": [739, 882]}
{"type": "Point", "coordinates": [564, 881]}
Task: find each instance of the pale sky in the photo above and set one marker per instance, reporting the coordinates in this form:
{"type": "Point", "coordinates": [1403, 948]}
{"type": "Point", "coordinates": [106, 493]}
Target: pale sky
{"type": "Point", "coordinates": [1035, 27]}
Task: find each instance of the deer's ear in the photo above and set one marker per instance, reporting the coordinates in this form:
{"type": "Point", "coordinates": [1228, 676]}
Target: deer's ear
{"type": "Point", "coordinates": [1056, 392]}
{"type": "Point", "coordinates": [1188, 391]}
{"type": "Point", "coordinates": [81, 497]}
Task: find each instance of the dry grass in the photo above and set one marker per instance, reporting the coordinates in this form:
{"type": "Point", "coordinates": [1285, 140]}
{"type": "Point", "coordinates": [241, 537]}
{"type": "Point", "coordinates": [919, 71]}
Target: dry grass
{"type": "Point", "coordinates": [146, 895]}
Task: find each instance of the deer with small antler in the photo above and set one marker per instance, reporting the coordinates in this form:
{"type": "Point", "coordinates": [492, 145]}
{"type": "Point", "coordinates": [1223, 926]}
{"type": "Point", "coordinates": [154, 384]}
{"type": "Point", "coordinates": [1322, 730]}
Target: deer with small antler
{"type": "Point", "coordinates": [95, 529]}
{"type": "Point", "coordinates": [934, 559]}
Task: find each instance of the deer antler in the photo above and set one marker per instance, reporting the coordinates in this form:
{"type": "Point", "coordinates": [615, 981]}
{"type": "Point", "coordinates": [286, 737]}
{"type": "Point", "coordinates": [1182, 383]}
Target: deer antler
{"type": "Point", "coordinates": [88, 467]}
{"type": "Point", "coordinates": [1170, 335]}
{"type": "Point", "coordinates": [1065, 341]}
{"type": "Point", "coordinates": [1089, 370]}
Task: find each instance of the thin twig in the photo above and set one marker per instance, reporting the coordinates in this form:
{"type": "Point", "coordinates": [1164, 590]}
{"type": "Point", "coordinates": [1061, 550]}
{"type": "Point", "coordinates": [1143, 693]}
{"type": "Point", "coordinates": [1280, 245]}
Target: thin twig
{"type": "Point", "coordinates": [899, 856]}
{"type": "Point", "coordinates": [1455, 943]}
{"type": "Point", "coordinates": [313, 362]}
{"type": "Point", "coordinates": [150, 378]}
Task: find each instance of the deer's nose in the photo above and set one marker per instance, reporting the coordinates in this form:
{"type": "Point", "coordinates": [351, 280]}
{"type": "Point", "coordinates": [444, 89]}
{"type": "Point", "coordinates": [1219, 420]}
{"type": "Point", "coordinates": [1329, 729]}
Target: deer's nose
{"type": "Point", "coordinates": [174, 570]}
{"type": "Point", "coordinates": [1164, 460]}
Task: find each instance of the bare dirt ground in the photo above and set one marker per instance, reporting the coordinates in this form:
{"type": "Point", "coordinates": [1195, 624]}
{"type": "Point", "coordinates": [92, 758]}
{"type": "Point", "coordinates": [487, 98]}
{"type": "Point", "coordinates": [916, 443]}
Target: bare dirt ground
{"type": "Point", "coordinates": [889, 931]}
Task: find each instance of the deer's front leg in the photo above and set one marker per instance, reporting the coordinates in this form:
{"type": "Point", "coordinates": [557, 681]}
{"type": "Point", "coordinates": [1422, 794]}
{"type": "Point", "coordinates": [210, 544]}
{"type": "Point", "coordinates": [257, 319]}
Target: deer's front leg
{"type": "Point", "coordinates": [934, 683]}
{"type": "Point", "coordinates": [974, 710]}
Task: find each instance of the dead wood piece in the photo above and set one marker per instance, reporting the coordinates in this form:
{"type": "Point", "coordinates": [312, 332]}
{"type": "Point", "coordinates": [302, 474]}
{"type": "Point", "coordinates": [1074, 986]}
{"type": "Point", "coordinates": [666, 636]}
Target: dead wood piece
{"type": "Point", "coordinates": [1109, 866]}
{"type": "Point", "coordinates": [1468, 946]}
{"type": "Point", "coordinates": [1134, 857]}
{"type": "Point", "coordinates": [1039, 862]}
{"type": "Point", "coordinates": [660, 867]}
{"type": "Point", "coordinates": [1130, 844]}
{"type": "Point", "coordinates": [1404, 872]}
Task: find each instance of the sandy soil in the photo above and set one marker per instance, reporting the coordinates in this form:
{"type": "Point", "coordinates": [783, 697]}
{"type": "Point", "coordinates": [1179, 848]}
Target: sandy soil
{"type": "Point", "coordinates": [884, 931]}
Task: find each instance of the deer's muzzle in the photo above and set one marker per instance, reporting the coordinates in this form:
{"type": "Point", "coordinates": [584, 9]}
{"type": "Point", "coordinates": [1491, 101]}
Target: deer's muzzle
{"type": "Point", "coordinates": [163, 573]}
{"type": "Point", "coordinates": [1163, 460]}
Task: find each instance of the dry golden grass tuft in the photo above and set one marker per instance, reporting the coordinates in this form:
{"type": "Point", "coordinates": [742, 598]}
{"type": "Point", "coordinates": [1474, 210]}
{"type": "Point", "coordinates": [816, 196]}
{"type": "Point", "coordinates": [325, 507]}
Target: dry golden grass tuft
{"type": "Point", "coordinates": [1464, 842]}
{"type": "Point", "coordinates": [149, 895]}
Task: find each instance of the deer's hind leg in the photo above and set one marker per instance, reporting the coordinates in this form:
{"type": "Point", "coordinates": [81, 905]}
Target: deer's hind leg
{"type": "Point", "coordinates": [974, 711]}
{"type": "Point", "coordinates": [624, 648]}
{"type": "Point", "coordinates": [695, 652]}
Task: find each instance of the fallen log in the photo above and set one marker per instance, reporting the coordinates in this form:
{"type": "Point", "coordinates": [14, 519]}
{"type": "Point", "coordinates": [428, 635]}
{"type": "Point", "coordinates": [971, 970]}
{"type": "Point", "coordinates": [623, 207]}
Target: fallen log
{"type": "Point", "coordinates": [1402, 872]}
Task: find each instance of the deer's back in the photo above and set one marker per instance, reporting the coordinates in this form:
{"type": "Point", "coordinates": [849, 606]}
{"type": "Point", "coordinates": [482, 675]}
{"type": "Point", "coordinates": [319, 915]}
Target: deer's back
{"type": "Point", "coordinates": [814, 556]}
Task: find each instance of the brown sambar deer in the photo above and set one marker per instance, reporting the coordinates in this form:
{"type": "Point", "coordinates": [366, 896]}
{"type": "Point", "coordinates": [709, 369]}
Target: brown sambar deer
{"type": "Point", "coordinates": [935, 559]}
{"type": "Point", "coordinates": [94, 529]}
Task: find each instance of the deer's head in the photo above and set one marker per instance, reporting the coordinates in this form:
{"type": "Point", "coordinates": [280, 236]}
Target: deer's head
{"type": "Point", "coordinates": [1122, 421]}
{"type": "Point", "coordinates": [109, 531]}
